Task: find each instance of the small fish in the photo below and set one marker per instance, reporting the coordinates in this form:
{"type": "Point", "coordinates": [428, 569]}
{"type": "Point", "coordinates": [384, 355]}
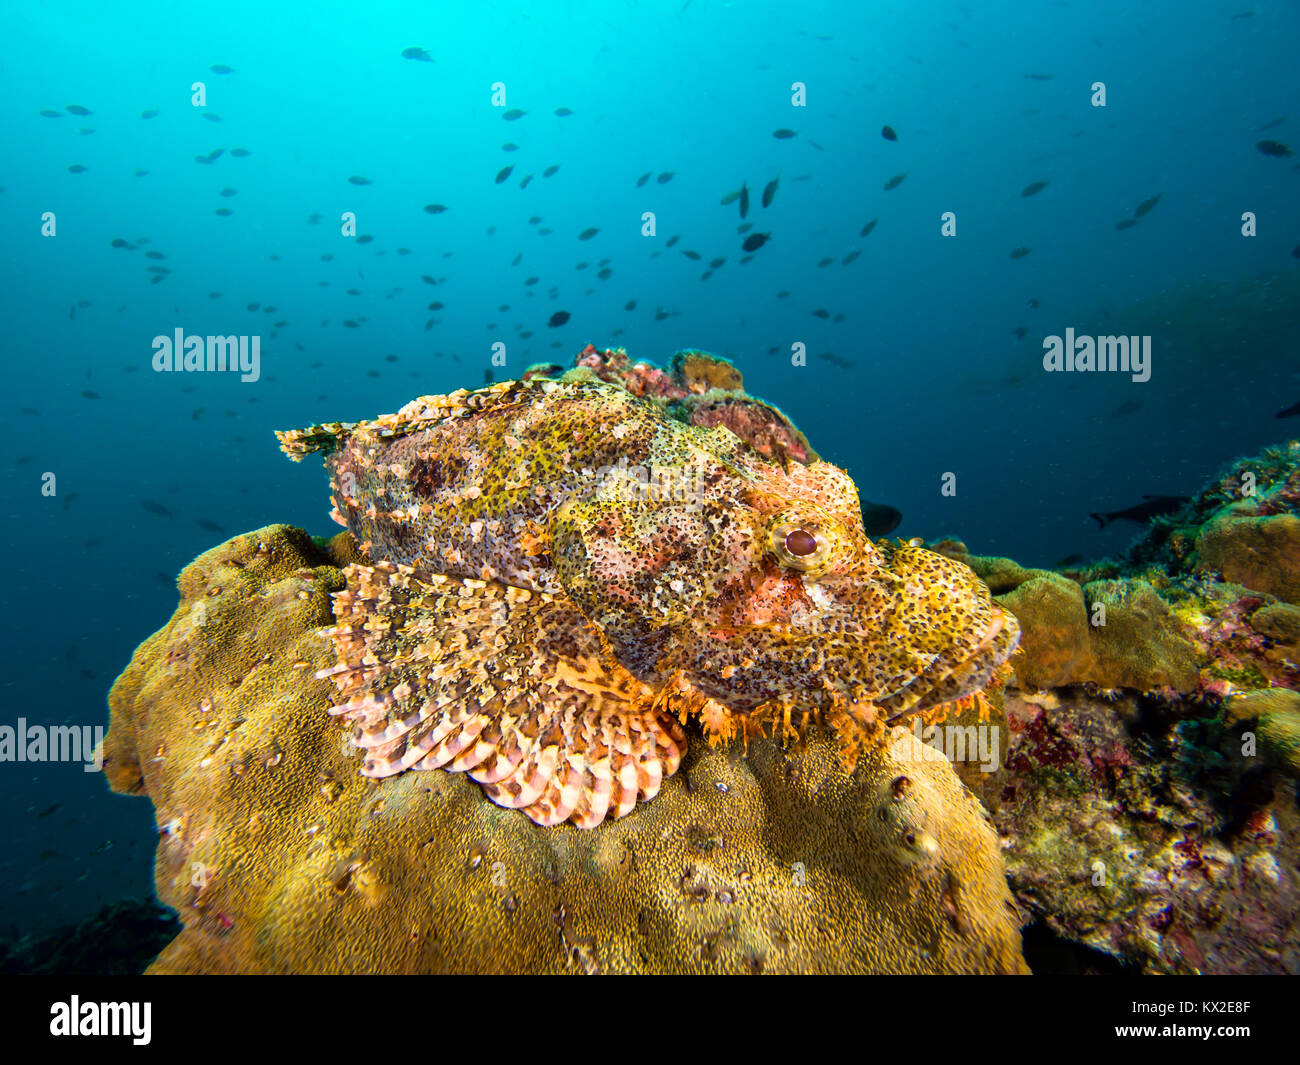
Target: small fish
{"type": "Point", "coordinates": [1033, 188]}
{"type": "Point", "coordinates": [513, 114]}
{"type": "Point", "coordinates": [562, 112]}
{"type": "Point", "coordinates": [665, 177]}
{"type": "Point", "coordinates": [154, 507]}
{"type": "Point", "coordinates": [1020, 332]}
{"type": "Point", "coordinates": [209, 525]}
{"type": "Point", "coordinates": [118, 242]}
{"type": "Point", "coordinates": [221, 68]}
{"type": "Point", "coordinates": [1020, 253]}
{"type": "Point", "coordinates": [153, 254]}
{"type": "Point", "coordinates": [418, 54]}
{"type": "Point", "coordinates": [1262, 129]}
{"type": "Point", "coordinates": [434, 208]}
{"type": "Point", "coordinates": [1292, 411]}
{"type": "Point", "coordinates": [1295, 252]}
{"type": "Point", "coordinates": [504, 173]}
{"type": "Point", "coordinates": [879, 519]}
{"type": "Point", "coordinates": [1274, 148]}
{"type": "Point", "coordinates": [821, 312]}
{"type": "Point", "coordinates": [357, 179]}
{"type": "Point", "coordinates": [428, 280]}
{"type": "Point", "coordinates": [694, 256]}
{"type": "Point", "coordinates": [888, 133]}
{"type": "Point", "coordinates": [1069, 560]}
{"type": "Point", "coordinates": [755, 241]}
{"type": "Point", "coordinates": [77, 109]}
{"type": "Point", "coordinates": [487, 377]}
{"type": "Point", "coordinates": [76, 168]}
{"type": "Point", "coordinates": [1154, 507]}
{"type": "Point", "coordinates": [895, 181]}
{"type": "Point", "coordinates": [744, 200]}
{"type": "Point", "coordinates": [1145, 206]}
{"type": "Point", "coordinates": [605, 274]}
{"type": "Point", "coordinates": [240, 153]}
{"type": "Point", "coordinates": [822, 264]}
{"type": "Point", "coordinates": [48, 810]}
{"type": "Point", "coordinates": [212, 116]}
{"type": "Point", "coordinates": [229, 192]}
{"type": "Point", "coordinates": [510, 146]}
{"type": "Point", "coordinates": [784, 134]}
{"type": "Point", "coordinates": [672, 240]}
{"type": "Point", "coordinates": [90, 395]}
{"type": "Point", "coordinates": [769, 191]}
{"type": "Point", "coordinates": [1033, 302]}
{"type": "Point", "coordinates": [730, 198]}
{"type": "Point", "coordinates": [868, 227]}
{"type": "Point", "coordinates": [587, 234]}
{"type": "Point", "coordinates": [51, 114]}
{"type": "Point", "coordinates": [151, 113]}
{"type": "Point", "coordinates": [630, 305]}
{"type": "Point", "coordinates": [550, 170]}
{"type": "Point", "coordinates": [1126, 223]}
{"type": "Point", "coordinates": [744, 228]}
{"type": "Point", "coordinates": [558, 319]}
{"type": "Point", "coordinates": [642, 180]}
{"type": "Point", "coordinates": [716, 263]}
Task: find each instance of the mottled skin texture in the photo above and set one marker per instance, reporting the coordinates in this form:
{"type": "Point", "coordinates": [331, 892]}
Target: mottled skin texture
{"type": "Point", "coordinates": [739, 585]}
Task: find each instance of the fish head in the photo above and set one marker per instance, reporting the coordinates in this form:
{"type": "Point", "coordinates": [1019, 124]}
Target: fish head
{"type": "Point", "coordinates": [756, 584]}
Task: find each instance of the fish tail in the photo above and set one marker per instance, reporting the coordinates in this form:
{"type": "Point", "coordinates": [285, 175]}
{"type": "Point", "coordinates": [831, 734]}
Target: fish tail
{"type": "Point", "coordinates": [1101, 520]}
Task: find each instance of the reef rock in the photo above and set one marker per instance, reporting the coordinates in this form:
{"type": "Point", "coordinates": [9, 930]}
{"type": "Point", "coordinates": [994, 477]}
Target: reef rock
{"type": "Point", "coordinates": [279, 857]}
{"type": "Point", "coordinates": [1259, 552]}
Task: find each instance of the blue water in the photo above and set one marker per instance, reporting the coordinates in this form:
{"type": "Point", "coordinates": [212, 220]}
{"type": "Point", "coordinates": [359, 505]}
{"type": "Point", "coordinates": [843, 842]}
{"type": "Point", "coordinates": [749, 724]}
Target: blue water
{"type": "Point", "coordinates": [939, 383]}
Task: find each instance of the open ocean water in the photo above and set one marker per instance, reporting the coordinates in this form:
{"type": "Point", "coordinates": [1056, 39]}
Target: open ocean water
{"type": "Point", "coordinates": [381, 193]}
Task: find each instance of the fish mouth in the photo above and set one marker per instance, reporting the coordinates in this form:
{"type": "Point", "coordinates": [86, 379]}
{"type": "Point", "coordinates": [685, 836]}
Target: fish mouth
{"type": "Point", "coordinates": [960, 671]}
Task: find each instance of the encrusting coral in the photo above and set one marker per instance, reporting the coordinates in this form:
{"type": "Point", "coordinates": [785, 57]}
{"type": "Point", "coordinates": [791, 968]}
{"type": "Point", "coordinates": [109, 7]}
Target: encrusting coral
{"type": "Point", "coordinates": [280, 857]}
{"type": "Point", "coordinates": [521, 605]}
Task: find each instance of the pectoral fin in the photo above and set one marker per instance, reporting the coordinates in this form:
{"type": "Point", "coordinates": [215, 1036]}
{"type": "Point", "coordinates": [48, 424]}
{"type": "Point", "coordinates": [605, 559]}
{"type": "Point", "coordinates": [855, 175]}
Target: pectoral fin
{"type": "Point", "coordinates": [513, 687]}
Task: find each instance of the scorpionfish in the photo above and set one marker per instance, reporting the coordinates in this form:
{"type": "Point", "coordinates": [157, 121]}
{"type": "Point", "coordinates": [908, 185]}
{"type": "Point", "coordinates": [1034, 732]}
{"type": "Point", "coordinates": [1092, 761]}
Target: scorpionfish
{"type": "Point", "coordinates": [564, 574]}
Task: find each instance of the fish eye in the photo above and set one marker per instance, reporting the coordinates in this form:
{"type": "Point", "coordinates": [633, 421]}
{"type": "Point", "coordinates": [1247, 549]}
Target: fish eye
{"type": "Point", "coordinates": [802, 542]}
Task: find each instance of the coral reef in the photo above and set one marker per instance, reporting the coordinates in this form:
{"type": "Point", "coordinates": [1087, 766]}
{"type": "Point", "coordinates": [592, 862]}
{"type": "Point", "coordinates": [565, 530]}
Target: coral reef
{"type": "Point", "coordinates": [280, 857]}
{"type": "Point", "coordinates": [1145, 791]}
{"type": "Point", "coordinates": [1134, 765]}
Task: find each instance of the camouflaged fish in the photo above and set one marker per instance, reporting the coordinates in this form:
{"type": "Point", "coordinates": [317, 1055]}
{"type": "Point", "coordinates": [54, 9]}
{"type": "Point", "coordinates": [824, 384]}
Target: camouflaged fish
{"type": "Point", "coordinates": [565, 572]}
